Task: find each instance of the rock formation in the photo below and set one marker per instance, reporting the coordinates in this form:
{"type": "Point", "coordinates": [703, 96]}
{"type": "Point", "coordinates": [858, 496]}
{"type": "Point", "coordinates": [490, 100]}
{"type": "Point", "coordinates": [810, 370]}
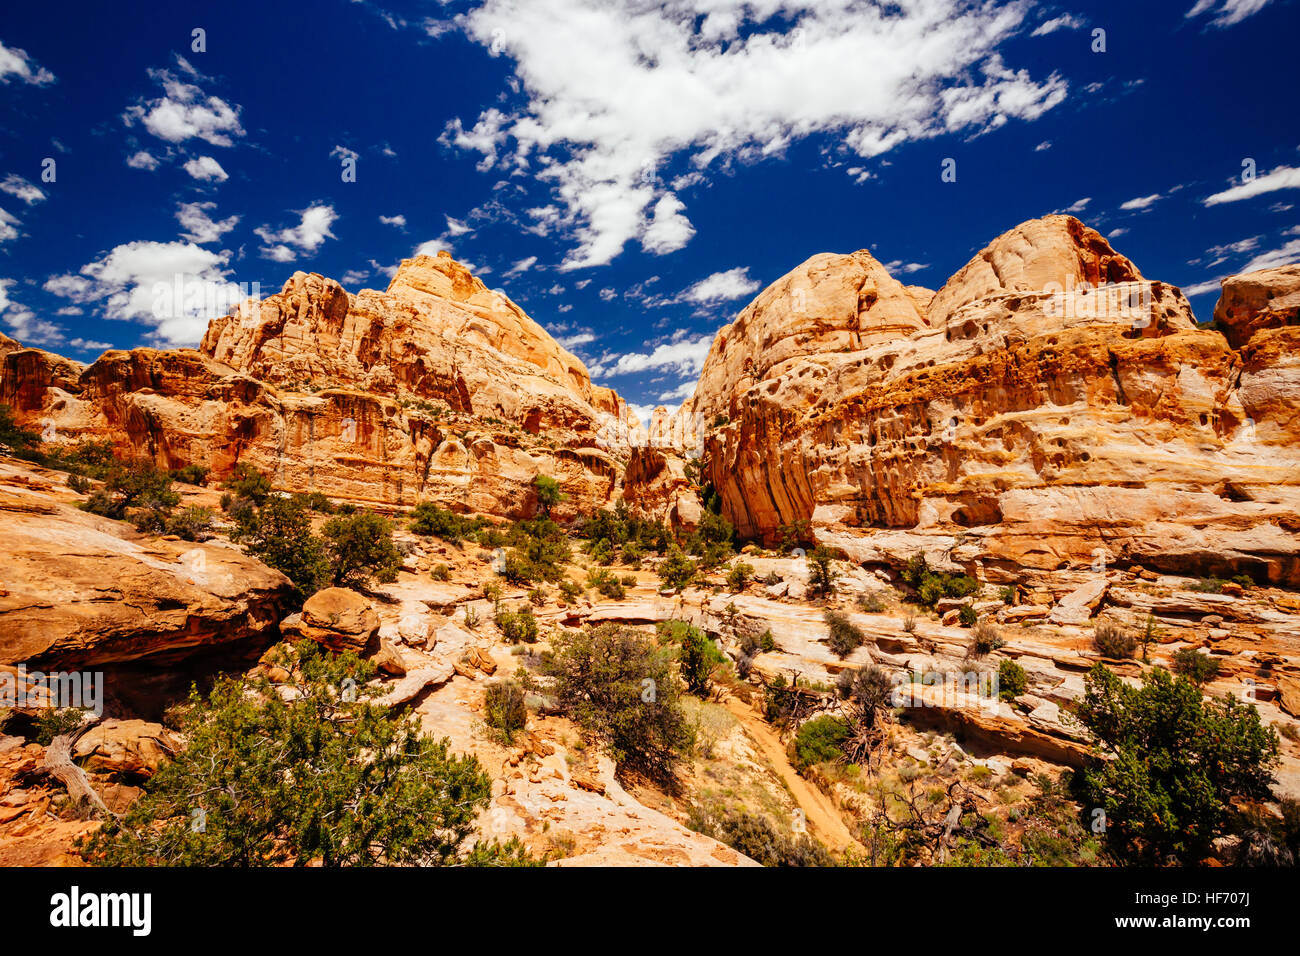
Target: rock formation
{"type": "Point", "coordinates": [1048, 407]}
{"type": "Point", "coordinates": [438, 389]}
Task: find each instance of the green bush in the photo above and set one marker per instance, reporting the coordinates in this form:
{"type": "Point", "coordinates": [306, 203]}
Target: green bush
{"type": "Point", "coordinates": [1197, 667]}
{"type": "Point", "coordinates": [571, 590]}
{"type": "Point", "coordinates": [429, 520]}
{"type": "Point", "coordinates": [932, 586]}
{"type": "Point", "coordinates": [138, 491]}
{"type": "Point", "coordinates": [440, 572]}
{"type": "Point", "coordinates": [312, 779]}
{"type": "Point", "coordinates": [1012, 680]}
{"type": "Point", "coordinates": [738, 576]}
{"type": "Point", "coordinates": [819, 740]}
{"type": "Point", "coordinates": [548, 494]}
{"type": "Point", "coordinates": [845, 636]}
{"type": "Point", "coordinates": [245, 481]}
{"type": "Point", "coordinates": [518, 626]}
{"type": "Point", "coordinates": [871, 603]}
{"type": "Point", "coordinates": [279, 533]}
{"type": "Point", "coordinates": [821, 575]}
{"type": "Point", "coordinates": [621, 688]}
{"type": "Point", "coordinates": [1169, 764]}
{"type": "Point", "coordinates": [193, 523]}
{"type": "Point", "coordinates": [676, 570]}
{"type": "Point", "coordinates": [967, 616]}
{"type": "Point", "coordinates": [606, 583]}
{"type": "Point", "coordinates": [504, 709]}
{"type": "Point", "coordinates": [755, 836]}
{"type": "Point", "coordinates": [697, 656]}
{"type": "Point", "coordinates": [361, 548]}
{"type": "Point", "coordinates": [191, 475]}
{"type": "Point", "coordinates": [13, 436]}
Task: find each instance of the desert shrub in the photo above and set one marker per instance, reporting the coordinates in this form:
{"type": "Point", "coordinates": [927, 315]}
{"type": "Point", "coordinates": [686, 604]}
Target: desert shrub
{"type": "Point", "coordinates": [609, 530]}
{"type": "Point", "coordinates": [539, 551]}
{"type": "Point", "coordinates": [909, 623]}
{"type": "Point", "coordinates": [754, 835]}
{"type": "Point", "coordinates": [628, 580]}
{"type": "Point", "coordinates": [571, 590]}
{"type": "Point", "coordinates": [137, 491]}
{"type": "Point", "coordinates": [537, 597]}
{"type": "Point", "coordinates": [492, 591]}
{"type": "Point", "coordinates": [697, 656]}
{"type": "Point", "coordinates": [819, 740]}
{"type": "Point", "coordinates": [471, 617]}
{"type": "Point", "coordinates": [440, 572]}
{"type": "Point", "coordinates": [931, 586]}
{"type": "Point", "coordinates": [871, 603]}
{"type": "Point", "coordinates": [316, 501]}
{"type": "Point", "coordinates": [247, 482]}
{"type": "Point", "coordinates": [967, 616]}
{"type": "Point", "coordinates": [606, 583]}
{"type": "Point", "coordinates": [548, 494]}
{"type": "Point", "coordinates": [14, 437]}
{"type": "Point", "coordinates": [54, 722]}
{"type": "Point", "coordinates": [676, 570]}
{"type": "Point", "coordinates": [713, 539]}
{"type": "Point", "coordinates": [1008, 594]}
{"type": "Point", "coordinates": [739, 576]}
{"type": "Point", "coordinates": [985, 639]}
{"type": "Point", "coordinates": [1197, 667]}
{"type": "Point", "coordinates": [517, 626]}
{"type": "Point", "coordinates": [845, 636]}
{"type": "Point", "coordinates": [429, 520]}
{"type": "Point", "coordinates": [193, 523]}
{"type": "Point", "coordinates": [279, 533]}
{"type": "Point", "coordinates": [1012, 680]}
{"type": "Point", "coordinates": [793, 535]}
{"type": "Point", "coordinates": [1053, 833]}
{"type": "Point", "coordinates": [621, 688]}
{"type": "Point", "coordinates": [821, 575]}
{"type": "Point", "coordinates": [1169, 764]}
{"type": "Point", "coordinates": [315, 778]}
{"type": "Point", "coordinates": [869, 687]}
{"type": "Point", "coordinates": [1114, 641]}
{"type": "Point", "coordinates": [80, 484]}
{"type": "Point", "coordinates": [361, 548]}
{"type": "Point", "coordinates": [504, 709]}
{"type": "Point", "coordinates": [191, 475]}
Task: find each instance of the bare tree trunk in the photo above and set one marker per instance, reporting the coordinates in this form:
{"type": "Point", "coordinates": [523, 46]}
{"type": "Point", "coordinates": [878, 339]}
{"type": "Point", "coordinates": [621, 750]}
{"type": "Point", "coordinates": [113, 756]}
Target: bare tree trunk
{"type": "Point", "coordinates": [58, 764]}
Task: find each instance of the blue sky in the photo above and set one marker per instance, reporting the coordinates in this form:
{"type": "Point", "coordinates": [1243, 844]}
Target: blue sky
{"type": "Point", "coordinates": [630, 173]}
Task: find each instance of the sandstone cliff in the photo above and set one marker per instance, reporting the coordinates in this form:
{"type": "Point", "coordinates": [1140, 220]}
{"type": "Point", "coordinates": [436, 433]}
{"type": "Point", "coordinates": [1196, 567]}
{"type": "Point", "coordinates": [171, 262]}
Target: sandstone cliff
{"type": "Point", "coordinates": [437, 389]}
{"type": "Point", "coordinates": [1048, 407]}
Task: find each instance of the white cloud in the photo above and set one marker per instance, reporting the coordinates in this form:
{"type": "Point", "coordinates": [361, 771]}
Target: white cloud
{"type": "Point", "coordinates": [1063, 22]}
{"type": "Point", "coordinates": [1222, 253]}
{"type": "Point", "coordinates": [399, 221]}
{"type": "Point", "coordinates": [342, 152]}
{"type": "Point", "coordinates": [456, 228]}
{"type": "Point", "coordinates": [8, 226]}
{"type": "Point", "coordinates": [680, 393]}
{"type": "Point", "coordinates": [573, 341]}
{"type": "Point", "coordinates": [668, 230]}
{"type": "Point", "coordinates": [685, 356]}
{"type": "Point", "coordinates": [89, 345]}
{"type": "Point", "coordinates": [1229, 12]}
{"type": "Point", "coordinates": [899, 267]}
{"type": "Point", "coordinates": [1141, 202]}
{"type": "Point", "coordinates": [206, 168]}
{"type": "Point", "coordinates": [15, 185]}
{"type": "Point", "coordinates": [184, 112]}
{"type": "Point", "coordinates": [1078, 205]}
{"type": "Point", "coordinates": [16, 64]}
{"type": "Point", "coordinates": [520, 267]}
{"type": "Point", "coordinates": [142, 160]}
{"type": "Point", "coordinates": [199, 226]}
{"type": "Point", "coordinates": [1201, 288]}
{"type": "Point", "coordinates": [138, 281]}
{"type": "Point", "coordinates": [1045, 144]}
{"type": "Point", "coordinates": [722, 287]}
{"type": "Point", "coordinates": [616, 88]}
{"type": "Point", "coordinates": [1284, 177]}
{"type": "Point", "coordinates": [1287, 255]}
{"type": "Point", "coordinates": [286, 244]}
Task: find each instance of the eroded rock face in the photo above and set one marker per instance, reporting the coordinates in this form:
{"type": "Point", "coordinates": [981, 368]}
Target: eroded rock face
{"type": "Point", "coordinates": [1267, 299]}
{"type": "Point", "coordinates": [1049, 407]}
{"type": "Point", "coordinates": [438, 389]}
{"type": "Point", "coordinates": [80, 591]}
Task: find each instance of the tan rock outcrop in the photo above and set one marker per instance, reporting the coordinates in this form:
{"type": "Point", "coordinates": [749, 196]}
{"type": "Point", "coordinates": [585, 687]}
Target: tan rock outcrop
{"type": "Point", "coordinates": [437, 389]}
{"type": "Point", "coordinates": [335, 618]}
{"type": "Point", "coordinates": [80, 591]}
{"type": "Point", "coordinates": [1049, 407]}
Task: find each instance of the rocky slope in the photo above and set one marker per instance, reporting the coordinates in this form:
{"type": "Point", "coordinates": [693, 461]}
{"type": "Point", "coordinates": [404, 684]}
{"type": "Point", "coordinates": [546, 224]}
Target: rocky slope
{"type": "Point", "coordinates": [1048, 407]}
{"type": "Point", "coordinates": [438, 389]}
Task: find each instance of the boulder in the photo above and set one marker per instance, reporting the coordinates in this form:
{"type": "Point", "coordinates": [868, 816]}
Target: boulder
{"type": "Point", "coordinates": [336, 618]}
{"type": "Point", "coordinates": [133, 747]}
